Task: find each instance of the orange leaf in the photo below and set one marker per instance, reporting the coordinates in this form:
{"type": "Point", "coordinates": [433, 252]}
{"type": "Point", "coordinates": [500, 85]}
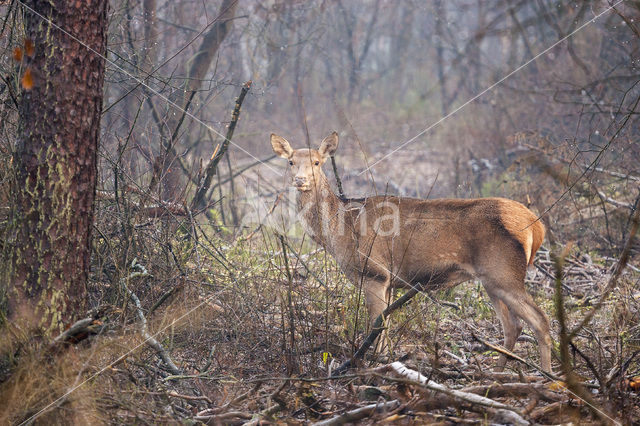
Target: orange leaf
{"type": "Point", "coordinates": [635, 383]}
{"type": "Point", "coordinates": [27, 80]}
{"type": "Point", "coordinates": [17, 54]}
{"type": "Point", "coordinates": [29, 47]}
{"type": "Point", "coordinates": [557, 386]}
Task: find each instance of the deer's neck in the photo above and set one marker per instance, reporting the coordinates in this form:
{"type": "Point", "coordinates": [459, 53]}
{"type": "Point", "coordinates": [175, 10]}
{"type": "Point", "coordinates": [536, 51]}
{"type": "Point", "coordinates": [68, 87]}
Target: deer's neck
{"type": "Point", "coordinates": [322, 215]}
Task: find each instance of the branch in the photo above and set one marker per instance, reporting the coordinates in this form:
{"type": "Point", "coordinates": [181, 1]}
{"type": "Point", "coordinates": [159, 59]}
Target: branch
{"type": "Point", "coordinates": [377, 329]}
{"type": "Point", "coordinates": [335, 173]}
{"type": "Point", "coordinates": [511, 355]}
{"type": "Point", "coordinates": [360, 413]}
{"type": "Point", "coordinates": [613, 281]}
{"type": "Point", "coordinates": [613, 202]}
{"type": "Point", "coordinates": [571, 379]}
{"type": "Point", "coordinates": [211, 169]}
{"type": "Point", "coordinates": [399, 369]}
{"type": "Point", "coordinates": [140, 271]}
{"type": "Point", "coordinates": [79, 331]}
{"type": "Point", "coordinates": [244, 169]}
{"type": "Point", "coordinates": [153, 210]}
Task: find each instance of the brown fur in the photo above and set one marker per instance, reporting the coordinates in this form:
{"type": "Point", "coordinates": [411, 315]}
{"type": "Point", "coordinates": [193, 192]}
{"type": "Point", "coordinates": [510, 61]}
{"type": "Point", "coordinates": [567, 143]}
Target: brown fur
{"type": "Point", "coordinates": [437, 243]}
{"type": "Point", "coordinates": [524, 225]}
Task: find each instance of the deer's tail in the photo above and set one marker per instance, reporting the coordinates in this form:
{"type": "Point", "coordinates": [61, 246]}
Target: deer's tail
{"type": "Point", "coordinates": [537, 233]}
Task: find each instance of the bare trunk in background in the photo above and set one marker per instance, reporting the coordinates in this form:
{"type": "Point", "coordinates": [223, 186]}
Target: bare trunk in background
{"type": "Point", "coordinates": [200, 64]}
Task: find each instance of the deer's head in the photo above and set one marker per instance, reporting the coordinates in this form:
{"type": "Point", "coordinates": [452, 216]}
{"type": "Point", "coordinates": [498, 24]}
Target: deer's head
{"type": "Point", "coordinates": [305, 164]}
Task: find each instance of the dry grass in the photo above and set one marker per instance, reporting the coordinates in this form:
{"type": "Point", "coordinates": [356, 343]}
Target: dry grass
{"type": "Point", "coordinates": [229, 331]}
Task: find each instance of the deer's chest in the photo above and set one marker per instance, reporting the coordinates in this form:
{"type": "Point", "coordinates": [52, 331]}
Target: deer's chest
{"type": "Point", "coordinates": [316, 220]}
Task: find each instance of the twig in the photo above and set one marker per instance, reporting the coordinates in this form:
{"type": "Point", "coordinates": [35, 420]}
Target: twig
{"type": "Point", "coordinates": [209, 358]}
{"type": "Point", "coordinates": [613, 281]}
{"type": "Point", "coordinates": [234, 401]}
{"type": "Point", "coordinates": [304, 264]}
{"type": "Point", "coordinates": [190, 397]}
{"type": "Point", "coordinates": [515, 357]}
{"type": "Point", "coordinates": [376, 330]}
{"type": "Point", "coordinates": [457, 358]}
{"type": "Point", "coordinates": [157, 210]}
{"type": "Point", "coordinates": [292, 367]}
{"type": "Point", "coordinates": [335, 173]}
{"type": "Point", "coordinates": [174, 136]}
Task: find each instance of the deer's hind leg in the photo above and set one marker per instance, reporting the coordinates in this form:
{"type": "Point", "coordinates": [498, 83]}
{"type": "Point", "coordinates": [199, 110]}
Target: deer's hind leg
{"type": "Point", "coordinates": [511, 292]}
{"type": "Point", "coordinates": [511, 327]}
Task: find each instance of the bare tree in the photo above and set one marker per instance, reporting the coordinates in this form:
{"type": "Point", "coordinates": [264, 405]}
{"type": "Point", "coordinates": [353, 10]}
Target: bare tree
{"type": "Point", "coordinates": [200, 65]}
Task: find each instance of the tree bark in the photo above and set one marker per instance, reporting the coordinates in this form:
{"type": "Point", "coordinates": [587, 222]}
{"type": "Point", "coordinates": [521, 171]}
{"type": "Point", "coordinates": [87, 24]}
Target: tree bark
{"type": "Point", "coordinates": [47, 250]}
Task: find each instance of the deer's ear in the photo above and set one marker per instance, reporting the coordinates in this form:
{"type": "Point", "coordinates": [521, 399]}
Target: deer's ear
{"type": "Point", "coordinates": [329, 145]}
{"type": "Point", "coordinates": [281, 146]}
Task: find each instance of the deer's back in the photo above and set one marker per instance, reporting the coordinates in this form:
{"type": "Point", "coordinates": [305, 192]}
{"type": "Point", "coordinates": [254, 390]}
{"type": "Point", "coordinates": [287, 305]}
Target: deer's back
{"type": "Point", "coordinates": [437, 240]}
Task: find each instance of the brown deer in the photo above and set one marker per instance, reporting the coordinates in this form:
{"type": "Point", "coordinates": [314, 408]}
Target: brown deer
{"type": "Point", "coordinates": [384, 242]}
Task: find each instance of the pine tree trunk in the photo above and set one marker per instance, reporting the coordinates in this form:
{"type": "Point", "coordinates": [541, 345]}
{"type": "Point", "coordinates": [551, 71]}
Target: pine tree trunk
{"type": "Point", "coordinates": [47, 251]}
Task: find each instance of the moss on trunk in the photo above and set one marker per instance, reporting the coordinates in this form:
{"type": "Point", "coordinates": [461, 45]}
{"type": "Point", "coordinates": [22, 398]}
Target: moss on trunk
{"type": "Point", "coordinates": [47, 253]}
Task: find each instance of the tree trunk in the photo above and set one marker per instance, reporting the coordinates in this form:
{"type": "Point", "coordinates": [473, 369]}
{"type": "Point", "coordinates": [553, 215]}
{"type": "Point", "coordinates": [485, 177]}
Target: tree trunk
{"type": "Point", "coordinates": [47, 250]}
{"type": "Point", "coordinates": [200, 64]}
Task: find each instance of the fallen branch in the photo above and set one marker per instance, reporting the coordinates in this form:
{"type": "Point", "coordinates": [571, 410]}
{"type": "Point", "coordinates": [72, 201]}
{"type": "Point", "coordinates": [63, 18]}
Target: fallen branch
{"type": "Point", "coordinates": [233, 402]}
{"type": "Point", "coordinates": [78, 331]}
{"type": "Point", "coordinates": [223, 418]}
{"type": "Point", "coordinates": [560, 412]}
{"type": "Point", "coordinates": [360, 413]}
{"type": "Point", "coordinates": [267, 412]}
{"type": "Point", "coordinates": [414, 377]}
{"type": "Point", "coordinates": [140, 271]}
{"type": "Point", "coordinates": [498, 390]}
{"type": "Point", "coordinates": [190, 397]}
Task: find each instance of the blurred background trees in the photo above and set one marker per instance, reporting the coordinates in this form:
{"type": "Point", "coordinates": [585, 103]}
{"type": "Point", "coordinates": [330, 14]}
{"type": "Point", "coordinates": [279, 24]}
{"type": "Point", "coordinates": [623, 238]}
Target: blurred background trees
{"type": "Point", "coordinates": [532, 100]}
{"type": "Point", "coordinates": [382, 72]}
{"type": "Point", "coordinates": [484, 99]}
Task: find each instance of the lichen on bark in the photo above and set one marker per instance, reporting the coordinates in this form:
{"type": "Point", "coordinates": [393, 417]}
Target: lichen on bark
{"type": "Point", "coordinates": [47, 249]}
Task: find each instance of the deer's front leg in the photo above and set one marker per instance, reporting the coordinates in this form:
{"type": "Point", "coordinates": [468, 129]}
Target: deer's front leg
{"type": "Point", "coordinates": [377, 294]}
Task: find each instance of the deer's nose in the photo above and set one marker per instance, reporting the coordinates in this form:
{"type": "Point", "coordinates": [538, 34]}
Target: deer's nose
{"type": "Point", "coordinates": [299, 180]}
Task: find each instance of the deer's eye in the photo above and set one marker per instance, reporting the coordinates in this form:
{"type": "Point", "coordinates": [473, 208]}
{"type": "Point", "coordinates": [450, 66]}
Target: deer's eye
{"type": "Point", "coordinates": [291, 163]}
{"type": "Point", "coordinates": [317, 163]}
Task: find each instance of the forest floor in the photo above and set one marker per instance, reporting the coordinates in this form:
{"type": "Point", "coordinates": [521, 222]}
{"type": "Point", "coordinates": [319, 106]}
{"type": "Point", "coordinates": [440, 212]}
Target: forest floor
{"type": "Point", "coordinates": [251, 343]}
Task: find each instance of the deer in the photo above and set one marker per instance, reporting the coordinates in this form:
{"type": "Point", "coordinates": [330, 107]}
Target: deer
{"type": "Point", "coordinates": [384, 242]}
